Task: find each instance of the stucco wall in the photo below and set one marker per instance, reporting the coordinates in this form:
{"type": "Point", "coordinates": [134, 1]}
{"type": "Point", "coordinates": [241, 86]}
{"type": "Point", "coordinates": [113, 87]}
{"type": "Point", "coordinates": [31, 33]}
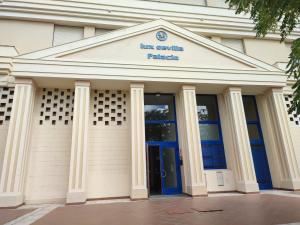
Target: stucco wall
{"type": "Point", "coordinates": [26, 36]}
{"type": "Point", "coordinates": [49, 152]}
{"type": "Point", "coordinates": [108, 149]}
{"type": "Point", "coordinates": [269, 51]}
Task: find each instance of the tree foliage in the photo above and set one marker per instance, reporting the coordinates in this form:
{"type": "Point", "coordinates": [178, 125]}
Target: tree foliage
{"type": "Point", "coordinates": [274, 16]}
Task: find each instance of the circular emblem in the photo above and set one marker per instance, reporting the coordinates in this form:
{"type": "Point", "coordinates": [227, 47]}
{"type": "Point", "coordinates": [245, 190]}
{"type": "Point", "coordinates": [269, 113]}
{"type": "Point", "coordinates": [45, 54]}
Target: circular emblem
{"type": "Point", "coordinates": [161, 36]}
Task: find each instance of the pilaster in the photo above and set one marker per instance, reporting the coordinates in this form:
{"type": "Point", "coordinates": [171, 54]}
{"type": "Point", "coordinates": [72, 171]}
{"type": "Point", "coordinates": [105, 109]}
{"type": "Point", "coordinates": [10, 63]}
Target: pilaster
{"type": "Point", "coordinates": [195, 180]}
{"type": "Point", "coordinates": [289, 170]}
{"type": "Point", "coordinates": [138, 151]}
{"type": "Point", "coordinates": [78, 161]}
{"type": "Point", "coordinates": [16, 150]}
{"type": "Point", "coordinates": [244, 167]}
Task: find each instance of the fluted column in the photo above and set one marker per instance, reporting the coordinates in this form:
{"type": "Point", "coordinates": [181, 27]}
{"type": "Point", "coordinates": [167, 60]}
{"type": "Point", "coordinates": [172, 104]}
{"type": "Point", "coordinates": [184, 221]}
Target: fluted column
{"type": "Point", "coordinates": [138, 151]}
{"type": "Point", "coordinates": [195, 181]}
{"type": "Point", "coordinates": [244, 167]}
{"type": "Point", "coordinates": [16, 150]}
{"type": "Point", "coordinates": [289, 170]}
{"type": "Point", "coordinates": [78, 161]}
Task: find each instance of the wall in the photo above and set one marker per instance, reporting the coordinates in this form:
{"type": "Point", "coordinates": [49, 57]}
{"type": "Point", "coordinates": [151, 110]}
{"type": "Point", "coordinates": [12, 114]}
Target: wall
{"type": "Point", "coordinates": [26, 36]}
{"type": "Point", "coordinates": [219, 180]}
{"type": "Point", "coordinates": [49, 152]}
{"type": "Point", "coordinates": [109, 145]}
{"type": "Point", "coordinates": [267, 50]}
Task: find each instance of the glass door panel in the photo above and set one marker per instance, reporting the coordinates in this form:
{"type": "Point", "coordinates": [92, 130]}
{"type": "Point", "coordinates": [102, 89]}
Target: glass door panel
{"type": "Point", "coordinates": [170, 170]}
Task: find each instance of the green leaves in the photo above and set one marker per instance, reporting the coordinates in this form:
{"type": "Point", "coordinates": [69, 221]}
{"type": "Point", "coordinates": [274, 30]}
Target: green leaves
{"type": "Point", "coordinates": [293, 70]}
{"type": "Point", "coordinates": [272, 16]}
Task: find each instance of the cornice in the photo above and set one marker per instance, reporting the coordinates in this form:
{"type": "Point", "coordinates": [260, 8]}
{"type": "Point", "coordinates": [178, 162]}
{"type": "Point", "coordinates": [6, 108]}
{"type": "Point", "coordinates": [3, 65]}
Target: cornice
{"type": "Point", "coordinates": [125, 13]}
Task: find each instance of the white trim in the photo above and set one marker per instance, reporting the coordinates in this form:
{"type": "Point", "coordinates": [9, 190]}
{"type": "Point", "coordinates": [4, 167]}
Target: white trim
{"type": "Point", "coordinates": [125, 13]}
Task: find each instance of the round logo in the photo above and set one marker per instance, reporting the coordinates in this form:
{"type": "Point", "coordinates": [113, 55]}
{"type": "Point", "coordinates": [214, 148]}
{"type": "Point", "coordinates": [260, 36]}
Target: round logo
{"type": "Point", "coordinates": [161, 36]}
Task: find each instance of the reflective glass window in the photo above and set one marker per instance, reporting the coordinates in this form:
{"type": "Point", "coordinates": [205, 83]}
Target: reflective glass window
{"type": "Point", "coordinates": [250, 108]}
{"type": "Point", "coordinates": [207, 107]}
{"type": "Point", "coordinates": [159, 107]}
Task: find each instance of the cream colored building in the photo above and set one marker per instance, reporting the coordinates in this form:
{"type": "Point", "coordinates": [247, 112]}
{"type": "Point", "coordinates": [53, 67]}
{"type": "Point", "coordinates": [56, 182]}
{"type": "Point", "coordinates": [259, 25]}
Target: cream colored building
{"type": "Point", "coordinates": [129, 98]}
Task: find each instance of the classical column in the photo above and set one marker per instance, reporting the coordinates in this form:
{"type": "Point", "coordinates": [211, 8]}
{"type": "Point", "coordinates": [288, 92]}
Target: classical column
{"type": "Point", "coordinates": [190, 141]}
{"type": "Point", "coordinates": [16, 150]}
{"type": "Point", "coordinates": [290, 175]}
{"type": "Point", "coordinates": [138, 151]}
{"type": "Point", "coordinates": [78, 161]}
{"type": "Point", "coordinates": [244, 167]}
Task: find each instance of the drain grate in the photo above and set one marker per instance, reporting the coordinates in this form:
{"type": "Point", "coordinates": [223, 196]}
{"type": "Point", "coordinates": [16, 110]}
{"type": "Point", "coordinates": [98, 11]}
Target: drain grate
{"type": "Point", "coordinates": [192, 210]}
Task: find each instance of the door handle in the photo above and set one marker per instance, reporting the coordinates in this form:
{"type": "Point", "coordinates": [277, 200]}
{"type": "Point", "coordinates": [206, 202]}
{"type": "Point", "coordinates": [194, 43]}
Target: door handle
{"type": "Point", "coordinates": [163, 173]}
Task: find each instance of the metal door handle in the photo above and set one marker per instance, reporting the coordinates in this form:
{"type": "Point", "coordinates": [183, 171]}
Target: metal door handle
{"type": "Point", "coordinates": [163, 173]}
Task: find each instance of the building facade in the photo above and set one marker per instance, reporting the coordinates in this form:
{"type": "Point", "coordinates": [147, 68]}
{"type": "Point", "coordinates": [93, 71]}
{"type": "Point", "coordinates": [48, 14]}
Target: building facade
{"type": "Point", "coordinates": [139, 98]}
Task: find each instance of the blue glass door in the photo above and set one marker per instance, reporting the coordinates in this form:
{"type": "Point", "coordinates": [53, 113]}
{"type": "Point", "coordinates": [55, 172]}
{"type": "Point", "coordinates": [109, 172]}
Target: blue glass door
{"type": "Point", "coordinates": [161, 139]}
{"type": "Point", "coordinates": [170, 169]}
{"type": "Point", "coordinates": [258, 150]}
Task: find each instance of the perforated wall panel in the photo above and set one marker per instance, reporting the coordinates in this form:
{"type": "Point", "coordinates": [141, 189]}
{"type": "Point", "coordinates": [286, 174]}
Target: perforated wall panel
{"type": "Point", "coordinates": [6, 100]}
{"type": "Point", "coordinates": [109, 107]}
{"type": "Point", "coordinates": [56, 106]}
{"type": "Point", "coordinates": [293, 117]}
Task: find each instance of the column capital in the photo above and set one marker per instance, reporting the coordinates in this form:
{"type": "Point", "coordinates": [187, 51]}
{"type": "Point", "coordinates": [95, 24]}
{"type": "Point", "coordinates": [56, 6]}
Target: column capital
{"type": "Point", "coordinates": [274, 90]}
{"type": "Point", "coordinates": [188, 87]}
{"type": "Point", "coordinates": [137, 85]}
{"type": "Point", "coordinates": [83, 83]}
{"type": "Point", "coordinates": [25, 81]}
{"type": "Point", "coordinates": [233, 89]}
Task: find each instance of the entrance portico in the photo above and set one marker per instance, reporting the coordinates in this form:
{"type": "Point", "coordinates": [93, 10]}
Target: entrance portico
{"type": "Point", "coordinates": [111, 74]}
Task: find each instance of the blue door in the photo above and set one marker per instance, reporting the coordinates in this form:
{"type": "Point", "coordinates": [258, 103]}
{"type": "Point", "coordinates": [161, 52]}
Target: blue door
{"type": "Point", "coordinates": [161, 139]}
{"type": "Point", "coordinates": [259, 155]}
{"type": "Point", "coordinates": [170, 169]}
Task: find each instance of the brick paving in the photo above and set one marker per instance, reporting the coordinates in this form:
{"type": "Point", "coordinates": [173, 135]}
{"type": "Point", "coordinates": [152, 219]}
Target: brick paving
{"type": "Point", "coordinates": [256, 209]}
{"type": "Point", "coordinates": [7, 215]}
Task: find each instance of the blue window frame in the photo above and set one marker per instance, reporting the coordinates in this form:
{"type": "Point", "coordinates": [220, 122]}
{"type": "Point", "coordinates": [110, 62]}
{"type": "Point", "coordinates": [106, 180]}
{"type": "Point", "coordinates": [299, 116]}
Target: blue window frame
{"type": "Point", "coordinates": [259, 155]}
{"type": "Point", "coordinates": [210, 132]}
{"type": "Point", "coordinates": [160, 118]}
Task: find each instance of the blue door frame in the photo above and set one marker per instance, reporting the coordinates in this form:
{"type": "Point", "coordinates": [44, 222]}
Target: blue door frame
{"type": "Point", "coordinates": [259, 155]}
{"type": "Point", "coordinates": [162, 147]}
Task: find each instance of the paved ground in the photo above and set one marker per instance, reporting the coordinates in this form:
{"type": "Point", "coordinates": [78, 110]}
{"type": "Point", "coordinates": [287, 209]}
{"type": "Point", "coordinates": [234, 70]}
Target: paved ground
{"type": "Point", "coordinates": [256, 209]}
{"type": "Point", "coordinates": [7, 215]}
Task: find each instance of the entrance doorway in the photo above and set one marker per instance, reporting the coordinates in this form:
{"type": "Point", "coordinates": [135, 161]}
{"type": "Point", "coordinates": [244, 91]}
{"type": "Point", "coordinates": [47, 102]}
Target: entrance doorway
{"type": "Point", "coordinates": [258, 150]}
{"type": "Point", "coordinates": [162, 151]}
{"type": "Point", "coordinates": [163, 170]}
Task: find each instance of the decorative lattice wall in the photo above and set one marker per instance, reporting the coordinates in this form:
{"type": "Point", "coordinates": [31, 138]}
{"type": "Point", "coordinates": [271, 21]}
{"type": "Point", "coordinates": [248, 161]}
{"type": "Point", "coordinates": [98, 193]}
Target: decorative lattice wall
{"type": "Point", "coordinates": [6, 100]}
{"type": "Point", "coordinates": [293, 117]}
{"type": "Point", "coordinates": [57, 106]}
{"type": "Point", "coordinates": [108, 107]}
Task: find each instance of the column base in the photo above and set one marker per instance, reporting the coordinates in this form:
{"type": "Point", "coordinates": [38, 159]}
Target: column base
{"type": "Point", "coordinates": [293, 185]}
{"type": "Point", "coordinates": [76, 197]}
{"type": "Point", "coordinates": [247, 187]}
{"type": "Point", "coordinates": [137, 194]}
{"type": "Point", "coordinates": [11, 199]}
{"type": "Point", "coordinates": [196, 190]}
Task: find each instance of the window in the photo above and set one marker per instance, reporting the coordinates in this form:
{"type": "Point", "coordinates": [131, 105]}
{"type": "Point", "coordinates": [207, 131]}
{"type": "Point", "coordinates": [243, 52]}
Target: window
{"type": "Point", "coordinates": [160, 119]}
{"type": "Point", "coordinates": [237, 44]}
{"type": "Point", "coordinates": [66, 34]}
{"type": "Point", "coordinates": [210, 132]}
